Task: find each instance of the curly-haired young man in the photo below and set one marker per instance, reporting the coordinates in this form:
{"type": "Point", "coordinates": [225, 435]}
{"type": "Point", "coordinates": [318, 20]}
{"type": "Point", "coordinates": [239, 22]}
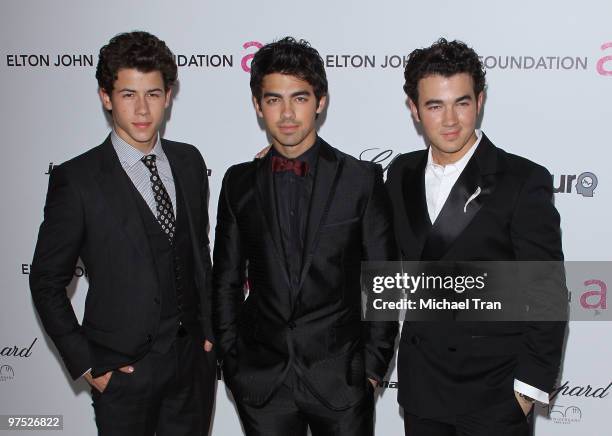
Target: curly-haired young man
{"type": "Point", "coordinates": [463, 199]}
{"type": "Point", "coordinates": [134, 209]}
{"type": "Point", "coordinates": [299, 222]}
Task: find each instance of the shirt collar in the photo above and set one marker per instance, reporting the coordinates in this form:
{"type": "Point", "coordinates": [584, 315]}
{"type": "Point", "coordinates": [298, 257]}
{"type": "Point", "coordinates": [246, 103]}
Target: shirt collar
{"type": "Point", "coordinates": [309, 156]}
{"type": "Point", "coordinates": [129, 155]}
{"type": "Point", "coordinates": [455, 166]}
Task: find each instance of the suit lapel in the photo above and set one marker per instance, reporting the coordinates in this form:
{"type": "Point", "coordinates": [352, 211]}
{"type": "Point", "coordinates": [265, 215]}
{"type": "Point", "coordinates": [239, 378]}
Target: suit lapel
{"type": "Point", "coordinates": [326, 179]}
{"type": "Point", "coordinates": [116, 191]}
{"type": "Point", "coordinates": [470, 192]}
{"type": "Point", "coordinates": [181, 171]}
{"type": "Point", "coordinates": [413, 186]}
{"type": "Point", "coordinates": [266, 200]}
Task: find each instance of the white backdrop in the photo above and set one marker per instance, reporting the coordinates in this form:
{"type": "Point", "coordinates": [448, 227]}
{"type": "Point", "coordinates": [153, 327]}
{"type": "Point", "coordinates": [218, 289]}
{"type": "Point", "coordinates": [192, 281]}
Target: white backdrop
{"type": "Point", "coordinates": [549, 99]}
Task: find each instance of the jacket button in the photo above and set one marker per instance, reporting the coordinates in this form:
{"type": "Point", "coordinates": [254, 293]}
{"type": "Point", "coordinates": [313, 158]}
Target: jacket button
{"type": "Point", "coordinates": [149, 339]}
{"type": "Point", "coordinates": [156, 300]}
{"type": "Point", "coordinates": [415, 340]}
{"type": "Point", "coordinates": [291, 325]}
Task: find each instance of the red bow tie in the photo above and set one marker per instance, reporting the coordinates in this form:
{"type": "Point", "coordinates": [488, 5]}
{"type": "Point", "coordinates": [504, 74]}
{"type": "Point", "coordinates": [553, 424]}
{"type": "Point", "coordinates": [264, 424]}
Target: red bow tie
{"type": "Point", "coordinates": [280, 164]}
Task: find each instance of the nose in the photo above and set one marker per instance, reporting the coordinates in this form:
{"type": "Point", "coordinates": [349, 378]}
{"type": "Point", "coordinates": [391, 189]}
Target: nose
{"type": "Point", "coordinates": [288, 111]}
{"type": "Point", "coordinates": [450, 117]}
{"type": "Point", "coordinates": [142, 106]}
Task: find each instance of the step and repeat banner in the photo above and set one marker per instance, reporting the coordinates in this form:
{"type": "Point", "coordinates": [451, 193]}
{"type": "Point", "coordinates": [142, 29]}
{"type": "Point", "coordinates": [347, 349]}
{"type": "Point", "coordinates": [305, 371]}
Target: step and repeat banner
{"type": "Point", "coordinates": [549, 98]}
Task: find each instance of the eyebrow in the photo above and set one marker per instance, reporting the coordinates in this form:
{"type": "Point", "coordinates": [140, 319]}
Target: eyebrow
{"type": "Point", "coordinates": [294, 94]}
{"type": "Point", "coordinates": [457, 100]}
{"type": "Point", "coordinates": [148, 90]}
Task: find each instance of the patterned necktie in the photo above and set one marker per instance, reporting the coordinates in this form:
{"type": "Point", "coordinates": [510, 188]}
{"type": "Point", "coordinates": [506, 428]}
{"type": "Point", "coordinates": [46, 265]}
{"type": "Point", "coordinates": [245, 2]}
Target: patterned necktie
{"type": "Point", "coordinates": [165, 213]}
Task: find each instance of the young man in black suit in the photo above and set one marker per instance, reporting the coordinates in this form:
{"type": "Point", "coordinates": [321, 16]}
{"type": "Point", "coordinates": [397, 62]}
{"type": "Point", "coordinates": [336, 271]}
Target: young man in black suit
{"type": "Point", "coordinates": [298, 223]}
{"type": "Point", "coordinates": [463, 199]}
{"type": "Point", "coordinates": [134, 209]}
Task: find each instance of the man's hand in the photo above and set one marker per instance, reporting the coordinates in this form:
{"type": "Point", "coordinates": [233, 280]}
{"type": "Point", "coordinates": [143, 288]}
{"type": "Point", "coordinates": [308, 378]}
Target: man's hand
{"type": "Point", "coordinates": [525, 404]}
{"type": "Point", "coordinates": [101, 382]}
{"type": "Point", "coordinates": [207, 345]}
{"type": "Point", "coordinates": [373, 382]}
{"type": "Point", "coordinates": [263, 152]}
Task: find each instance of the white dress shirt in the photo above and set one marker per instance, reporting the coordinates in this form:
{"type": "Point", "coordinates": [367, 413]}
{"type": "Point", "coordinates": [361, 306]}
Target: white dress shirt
{"type": "Point", "coordinates": [130, 158]}
{"type": "Point", "coordinates": [439, 180]}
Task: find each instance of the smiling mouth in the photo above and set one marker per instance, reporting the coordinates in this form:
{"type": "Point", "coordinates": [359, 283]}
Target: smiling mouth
{"type": "Point", "coordinates": [451, 135]}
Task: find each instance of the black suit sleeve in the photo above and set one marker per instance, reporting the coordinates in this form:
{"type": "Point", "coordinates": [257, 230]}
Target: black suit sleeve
{"type": "Point", "coordinates": [536, 235]}
{"type": "Point", "coordinates": [228, 273]}
{"type": "Point", "coordinates": [59, 243]}
{"type": "Point", "coordinates": [205, 288]}
{"type": "Point", "coordinates": [379, 245]}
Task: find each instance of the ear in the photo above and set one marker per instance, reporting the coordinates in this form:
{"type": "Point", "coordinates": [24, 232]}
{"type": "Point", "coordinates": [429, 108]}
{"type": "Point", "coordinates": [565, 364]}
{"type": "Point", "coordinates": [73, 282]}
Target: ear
{"type": "Point", "coordinates": [257, 108]}
{"type": "Point", "coordinates": [168, 97]}
{"type": "Point", "coordinates": [414, 110]}
{"type": "Point", "coordinates": [479, 101]}
{"type": "Point", "coordinates": [105, 99]}
{"type": "Point", "coordinates": [322, 104]}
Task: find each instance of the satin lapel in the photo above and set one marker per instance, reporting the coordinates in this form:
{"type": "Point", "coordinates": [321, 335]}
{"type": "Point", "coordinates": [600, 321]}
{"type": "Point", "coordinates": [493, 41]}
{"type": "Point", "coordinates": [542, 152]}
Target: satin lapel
{"type": "Point", "coordinates": [413, 185]}
{"type": "Point", "coordinates": [470, 192]}
{"type": "Point", "coordinates": [181, 172]}
{"type": "Point", "coordinates": [266, 200]}
{"type": "Point", "coordinates": [323, 191]}
{"type": "Point", "coordinates": [114, 184]}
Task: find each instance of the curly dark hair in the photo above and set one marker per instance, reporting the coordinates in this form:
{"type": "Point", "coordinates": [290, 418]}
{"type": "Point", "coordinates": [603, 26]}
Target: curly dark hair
{"type": "Point", "coordinates": [292, 57]}
{"type": "Point", "coordinates": [446, 59]}
{"type": "Point", "coordinates": [139, 50]}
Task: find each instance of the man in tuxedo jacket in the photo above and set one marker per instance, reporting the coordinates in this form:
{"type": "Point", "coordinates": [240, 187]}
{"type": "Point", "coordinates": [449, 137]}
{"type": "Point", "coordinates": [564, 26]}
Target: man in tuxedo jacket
{"type": "Point", "coordinates": [463, 199]}
{"type": "Point", "coordinates": [134, 209]}
{"type": "Point", "coordinates": [297, 225]}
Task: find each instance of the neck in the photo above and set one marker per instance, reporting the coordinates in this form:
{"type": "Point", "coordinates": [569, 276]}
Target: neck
{"type": "Point", "coordinates": [293, 151]}
{"type": "Point", "coordinates": [442, 158]}
{"type": "Point", "coordinates": [144, 147]}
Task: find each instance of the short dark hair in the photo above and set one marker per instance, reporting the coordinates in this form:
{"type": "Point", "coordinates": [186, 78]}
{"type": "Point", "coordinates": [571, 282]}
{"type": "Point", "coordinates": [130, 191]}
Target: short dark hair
{"type": "Point", "coordinates": [292, 57]}
{"type": "Point", "coordinates": [446, 59]}
{"type": "Point", "coordinates": [139, 50]}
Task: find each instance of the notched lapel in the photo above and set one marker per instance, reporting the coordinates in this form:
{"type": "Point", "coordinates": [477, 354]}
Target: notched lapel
{"type": "Point", "coordinates": [114, 184]}
{"type": "Point", "coordinates": [326, 179]}
{"type": "Point", "coordinates": [267, 204]}
{"type": "Point", "coordinates": [413, 186]}
{"type": "Point", "coordinates": [181, 172]}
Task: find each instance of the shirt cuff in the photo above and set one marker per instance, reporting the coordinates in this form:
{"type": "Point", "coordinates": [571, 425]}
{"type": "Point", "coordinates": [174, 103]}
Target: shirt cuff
{"type": "Point", "coordinates": [531, 392]}
{"type": "Point", "coordinates": [89, 370]}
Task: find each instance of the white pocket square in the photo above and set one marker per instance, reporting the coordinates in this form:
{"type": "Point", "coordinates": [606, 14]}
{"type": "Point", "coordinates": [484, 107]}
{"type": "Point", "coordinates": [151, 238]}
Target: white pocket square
{"type": "Point", "coordinates": [472, 197]}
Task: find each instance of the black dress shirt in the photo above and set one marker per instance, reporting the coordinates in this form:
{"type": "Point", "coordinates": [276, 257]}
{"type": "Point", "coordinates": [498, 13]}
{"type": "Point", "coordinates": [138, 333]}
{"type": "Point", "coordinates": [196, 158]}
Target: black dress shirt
{"type": "Point", "coordinates": [293, 194]}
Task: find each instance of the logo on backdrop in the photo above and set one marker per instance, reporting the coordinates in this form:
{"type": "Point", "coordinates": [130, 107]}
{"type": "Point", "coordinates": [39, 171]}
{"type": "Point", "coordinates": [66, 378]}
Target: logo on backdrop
{"type": "Point", "coordinates": [562, 411]}
{"type": "Point", "coordinates": [382, 156]}
{"type": "Point", "coordinates": [6, 373]}
{"type": "Point", "coordinates": [583, 184]}
{"type": "Point", "coordinates": [48, 60]}
{"type": "Point", "coordinates": [557, 63]}
{"type": "Point", "coordinates": [563, 414]}
{"type": "Point", "coordinates": [346, 60]}
{"type": "Point", "coordinates": [198, 60]}
{"type": "Point", "coordinates": [389, 384]}
{"type": "Point", "coordinates": [595, 297]}
{"type": "Point", "coordinates": [79, 270]}
{"type": "Point", "coordinates": [16, 351]}
{"type": "Point", "coordinates": [604, 64]}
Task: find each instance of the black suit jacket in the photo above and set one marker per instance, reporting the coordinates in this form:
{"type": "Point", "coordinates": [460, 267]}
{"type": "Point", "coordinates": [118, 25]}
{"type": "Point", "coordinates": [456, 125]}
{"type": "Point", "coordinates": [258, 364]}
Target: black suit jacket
{"type": "Point", "coordinates": [446, 369]}
{"type": "Point", "coordinates": [90, 213]}
{"type": "Point", "coordinates": [314, 327]}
